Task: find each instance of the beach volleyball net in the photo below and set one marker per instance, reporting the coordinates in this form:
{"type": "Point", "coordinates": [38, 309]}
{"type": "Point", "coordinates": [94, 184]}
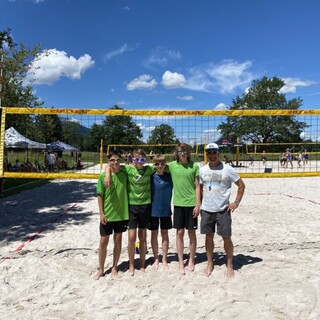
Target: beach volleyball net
{"type": "Point", "coordinates": [86, 152]}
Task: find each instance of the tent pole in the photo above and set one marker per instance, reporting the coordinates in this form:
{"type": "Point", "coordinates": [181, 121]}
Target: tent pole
{"type": "Point", "coordinates": [2, 129]}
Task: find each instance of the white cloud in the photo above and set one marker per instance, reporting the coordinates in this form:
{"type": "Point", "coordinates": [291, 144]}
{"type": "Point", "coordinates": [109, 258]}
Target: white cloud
{"type": "Point", "coordinates": [210, 135]}
{"type": "Point", "coordinates": [313, 136]}
{"type": "Point", "coordinates": [210, 131]}
{"type": "Point", "coordinates": [224, 77]}
{"type": "Point", "coordinates": [145, 128]}
{"type": "Point", "coordinates": [124, 48]}
{"type": "Point", "coordinates": [149, 129]}
{"type": "Point", "coordinates": [122, 102]}
{"type": "Point", "coordinates": [49, 66]}
{"type": "Point", "coordinates": [186, 98]}
{"type": "Point", "coordinates": [291, 85]}
{"type": "Point", "coordinates": [173, 80]}
{"type": "Point", "coordinates": [221, 106]}
{"type": "Point", "coordinates": [162, 56]}
{"type": "Point", "coordinates": [143, 82]}
{"type": "Point", "coordinates": [73, 120]}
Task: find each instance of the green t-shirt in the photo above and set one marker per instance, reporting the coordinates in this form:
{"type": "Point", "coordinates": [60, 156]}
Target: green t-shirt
{"type": "Point", "coordinates": [115, 198]}
{"type": "Point", "coordinates": [139, 186]}
{"type": "Point", "coordinates": [183, 177]}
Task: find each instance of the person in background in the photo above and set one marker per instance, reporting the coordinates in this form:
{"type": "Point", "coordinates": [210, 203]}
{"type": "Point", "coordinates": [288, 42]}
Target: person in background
{"type": "Point", "coordinates": [16, 166]}
{"type": "Point", "coordinates": [300, 158]}
{"type": "Point", "coordinates": [51, 161]}
{"type": "Point", "coordinates": [251, 160]}
{"type": "Point", "coordinates": [305, 157]}
{"type": "Point", "coordinates": [264, 157]}
{"type": "Point", "coordinates": [151, 155]}
{"type": "Point", "coordinates": [289, 158]}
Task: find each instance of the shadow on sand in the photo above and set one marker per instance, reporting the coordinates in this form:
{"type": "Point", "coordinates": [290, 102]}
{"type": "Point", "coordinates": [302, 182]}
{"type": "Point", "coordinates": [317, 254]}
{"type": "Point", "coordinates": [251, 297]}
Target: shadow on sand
{"type": "Point", "coordinates": [25, 214]}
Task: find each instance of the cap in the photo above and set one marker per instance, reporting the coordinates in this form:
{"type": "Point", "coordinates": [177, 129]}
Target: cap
{"type": "Point", "coordinates": [212, 147]}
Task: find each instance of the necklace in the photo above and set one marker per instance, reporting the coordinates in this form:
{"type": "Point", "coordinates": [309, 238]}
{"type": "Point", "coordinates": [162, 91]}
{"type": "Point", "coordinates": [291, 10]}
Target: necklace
{"type": "Point", "coordinates": [218, 167]}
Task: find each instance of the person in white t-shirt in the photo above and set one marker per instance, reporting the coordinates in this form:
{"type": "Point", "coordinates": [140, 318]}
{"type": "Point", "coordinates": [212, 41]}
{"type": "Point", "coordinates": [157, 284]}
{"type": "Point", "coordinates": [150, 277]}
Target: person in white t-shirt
{"type": "Point", "coordinates": [51, 161]}
{"type": "Point", "coordinates": [216, 180]}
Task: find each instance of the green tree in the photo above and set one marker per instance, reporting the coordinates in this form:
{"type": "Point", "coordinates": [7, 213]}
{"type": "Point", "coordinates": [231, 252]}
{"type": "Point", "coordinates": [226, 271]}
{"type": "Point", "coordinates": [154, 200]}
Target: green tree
{"type": "Point", "coordinates": [160, 135]}
{"type": "Point", "coordinates": [15, 92]}
{"type": "Point", "coordinates": [93, 140]}
{"type": "Point", "coordinates": [121, 130]}
{"type": "Point", "coordinates": [163, 134]}
{"type": "Point", "coordinates": [114, 130]}
{"type": "Point", "coordinates": [264, 94]}
{"type": "Point", "coordinates": [72, 133]}
{"type": "Point", "coordinates": [47, 128]}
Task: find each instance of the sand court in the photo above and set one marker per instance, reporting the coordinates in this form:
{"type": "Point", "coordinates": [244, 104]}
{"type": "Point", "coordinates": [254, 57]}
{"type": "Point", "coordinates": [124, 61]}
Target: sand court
{"type": "Point", "coordinates": [277, 255]}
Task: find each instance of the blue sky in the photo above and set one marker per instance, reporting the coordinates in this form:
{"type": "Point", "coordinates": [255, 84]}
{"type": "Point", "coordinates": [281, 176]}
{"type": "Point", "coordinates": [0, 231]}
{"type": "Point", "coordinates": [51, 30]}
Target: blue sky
{"type": "Point", "coordinates": [168, 54]}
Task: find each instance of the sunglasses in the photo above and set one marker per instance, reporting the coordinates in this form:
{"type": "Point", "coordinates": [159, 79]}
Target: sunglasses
{"type": "Point", "coordinates": [212, 152]}
{"type": "Point", "coordinates": [138, 159]}
{"type": "Point", "coordinates": [160, 164]}
{"type": "Point", "coordinates": [114, 160]}
{"type": "Point", "coordinates": [182, 152]}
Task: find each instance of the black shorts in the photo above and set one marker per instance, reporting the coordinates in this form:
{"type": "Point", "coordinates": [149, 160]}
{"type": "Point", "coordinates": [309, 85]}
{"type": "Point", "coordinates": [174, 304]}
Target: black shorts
{"type": "Point", "coordinates": [164, 222]}
{"type": "Point", "coordinates": [139, 216]}
{"type": "Point", "coordinates": [183, 218]}
{"type": "Point", "coordinates": [222, 219]}
{"type": "Point", "coordinates": [116, 226]}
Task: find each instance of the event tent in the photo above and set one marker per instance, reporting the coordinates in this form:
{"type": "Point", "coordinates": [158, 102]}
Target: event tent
{"type": "Point", "coordinates": [14, 139]}
{"type": "Point", "coordinates": [61, 146]}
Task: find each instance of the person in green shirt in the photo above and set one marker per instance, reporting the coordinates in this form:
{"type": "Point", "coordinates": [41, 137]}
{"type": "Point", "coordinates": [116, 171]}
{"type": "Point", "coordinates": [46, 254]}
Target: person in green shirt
{"type": "Point", "coordinates": [186, 201]}
{"type": "Point", "coordinates": [139, 193]}
{"type": "Point", "coordinates": [114, 212]}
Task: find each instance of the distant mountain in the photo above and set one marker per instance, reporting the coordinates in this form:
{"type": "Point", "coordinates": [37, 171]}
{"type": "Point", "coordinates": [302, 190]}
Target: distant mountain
{"type": "Point", "coordinates": [84, 130]}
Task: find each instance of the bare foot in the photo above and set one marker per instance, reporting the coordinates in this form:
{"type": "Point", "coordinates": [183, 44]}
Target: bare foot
{"type": "Point", "coordinates": [182, 270]}
{"type": "Point", "coordinates": [190, 267]}
{"type": "Point", "coordinates": [131, 271]}
{"type": "Point", "coordinates": [142, 269]}
{"type": "Point", "coordinates": [156, 265]}
{"type": "Point", "coordinates": [165, 265]}
{"type": "Point", "coordinates": [114, 272]}
{"type": "Point", "coordinates": [98, 275]}
{"type": "Point", "coordinates": [208, 270]}
{"type": "Point", "coordinates": [230, 273]}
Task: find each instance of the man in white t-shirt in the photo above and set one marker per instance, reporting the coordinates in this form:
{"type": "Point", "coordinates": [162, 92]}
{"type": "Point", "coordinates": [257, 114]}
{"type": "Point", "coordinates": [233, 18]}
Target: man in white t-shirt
{"type": "Point", "coordinates": [216, 180]}
{"type": "Point", "coordinates": [51, 161]}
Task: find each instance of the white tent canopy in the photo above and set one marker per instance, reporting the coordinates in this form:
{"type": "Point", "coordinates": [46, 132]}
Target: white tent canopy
{"type": "Point", "coordinates": [14, 139]}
